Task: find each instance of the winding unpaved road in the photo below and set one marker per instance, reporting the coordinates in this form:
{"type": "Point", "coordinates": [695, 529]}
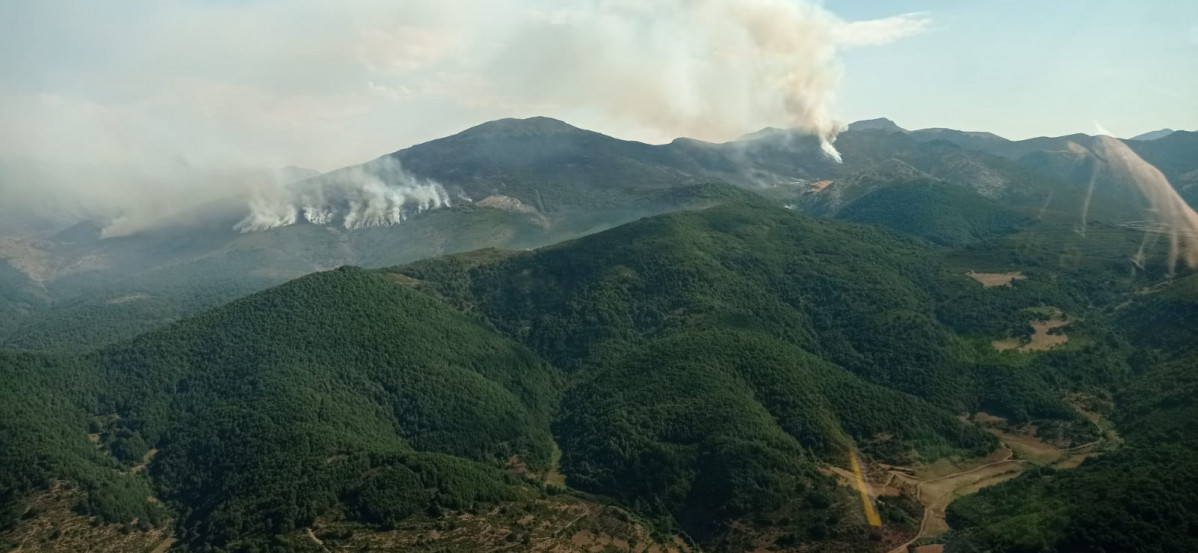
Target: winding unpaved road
{"type": "Point", "coordinates": [941, 490]}
{"type": "Point", "coordinates": [936, 493]}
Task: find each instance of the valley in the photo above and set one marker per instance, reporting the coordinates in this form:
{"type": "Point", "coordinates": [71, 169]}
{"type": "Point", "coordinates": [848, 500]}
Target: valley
{"type": "Point", "coordinates": [1019, 451]}
{"type": "Point", "coordinates": [935, 485]}
{"type": "Point", "coordinates": [598, 276]}
{"type": "Point", "coordinates": [669, 364]}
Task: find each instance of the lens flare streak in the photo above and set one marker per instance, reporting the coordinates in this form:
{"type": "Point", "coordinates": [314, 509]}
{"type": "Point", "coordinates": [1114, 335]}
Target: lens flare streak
{"type": "Point", "coordinates": [871, 514]}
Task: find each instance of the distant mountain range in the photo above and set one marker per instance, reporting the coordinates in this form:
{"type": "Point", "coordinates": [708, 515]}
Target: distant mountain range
{"type": "Point", "coordinates": [1153, 135]}
{"type": "Point", "coordinates": [525, 183]}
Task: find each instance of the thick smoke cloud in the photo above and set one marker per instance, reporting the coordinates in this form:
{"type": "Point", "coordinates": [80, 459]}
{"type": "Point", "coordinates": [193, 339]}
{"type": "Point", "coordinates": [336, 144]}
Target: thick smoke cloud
{"type": "Point", "coordinates": [130, 111]}
{"type": "Point", "coordinates": [374, 195]}
{"type": "Point", "coordinates": [707, 69]}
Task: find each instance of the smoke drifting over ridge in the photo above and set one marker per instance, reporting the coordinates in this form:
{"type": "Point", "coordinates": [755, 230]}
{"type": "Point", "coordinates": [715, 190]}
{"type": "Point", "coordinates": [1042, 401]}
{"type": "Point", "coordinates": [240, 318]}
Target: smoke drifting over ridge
{"type": "Point", "coordinates": [377, 194]}
{"type": "Point", "coordinates": [145, 112]}
{"type": "Point", "coordinates": [707, 69]}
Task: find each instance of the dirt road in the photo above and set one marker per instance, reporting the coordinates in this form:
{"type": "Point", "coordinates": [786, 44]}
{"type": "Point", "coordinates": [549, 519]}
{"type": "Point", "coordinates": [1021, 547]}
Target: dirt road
{"type": "Point", "coordinates": [935, 493]}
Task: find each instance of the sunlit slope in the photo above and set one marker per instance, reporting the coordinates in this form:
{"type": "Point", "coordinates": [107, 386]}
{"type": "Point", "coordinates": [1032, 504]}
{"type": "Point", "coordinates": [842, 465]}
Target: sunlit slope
{"type": "Point", "coordinates": [860, 297]}
{"type": "Point", "coordinates": [697, 368]}
{"type": "Point", "coordinates": [701, 337]}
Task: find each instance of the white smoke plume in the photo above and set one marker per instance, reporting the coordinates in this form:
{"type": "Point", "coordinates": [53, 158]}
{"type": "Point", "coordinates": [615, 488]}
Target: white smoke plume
{"type": "Point", "coordinates": [1171, 216]}
{"type": "Point", "coordinates": [706, 69]}
{"type": "Point", "coordinates": [141, 111]}
{"type": "Point", "coordinates": [377, 194]}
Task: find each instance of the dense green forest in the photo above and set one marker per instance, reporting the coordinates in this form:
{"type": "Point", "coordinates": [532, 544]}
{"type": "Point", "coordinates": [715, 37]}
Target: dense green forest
{"type": "Point", "coordinates": [1135, 499]}
{"type": "Point", "coordinates": [1138, 498]}
{"type": "Point", "coordinates": [338, 387]}
{"type": "Point", "coordinates": [885, 307]}
{"type": "Point", "coordinates": [698, 368]}
{"type": "Point", "coordinates": [918, 209]}
{"type": "Point", "coordinates": [804, 335]}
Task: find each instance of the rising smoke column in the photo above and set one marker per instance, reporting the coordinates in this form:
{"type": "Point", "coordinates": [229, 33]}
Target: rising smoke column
{"type": "Point", "coordinates": [191, 129]}
{"type": "Point", "coordinates": [706, 69]}
{"type": "Point", "coordinates": [377, 194]}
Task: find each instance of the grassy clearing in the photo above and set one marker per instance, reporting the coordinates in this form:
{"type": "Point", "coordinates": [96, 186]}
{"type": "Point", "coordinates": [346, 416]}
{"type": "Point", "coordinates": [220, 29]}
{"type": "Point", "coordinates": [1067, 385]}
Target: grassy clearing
{"type": "Point", "coordinates": [990, 280]}
{"type": "Point", "coordinates": [554, 475]}
{"type": "Point", "coordinates": [1045, 336]}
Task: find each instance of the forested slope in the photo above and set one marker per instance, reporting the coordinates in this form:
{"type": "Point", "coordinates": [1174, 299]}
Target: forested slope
{"type": "Point", "coordinates": [698, 368]}
{"type": "Point", "coordinates": [701, 339]}
{"type": "Point", "coordinates": [1138, 498]}
{"type": "Point", "coordinates": [338, 388]}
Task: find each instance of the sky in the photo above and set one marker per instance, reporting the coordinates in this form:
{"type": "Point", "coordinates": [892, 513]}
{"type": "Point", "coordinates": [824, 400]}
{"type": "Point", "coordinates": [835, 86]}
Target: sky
{"type": "Point", "coordinates": [1024, 68]}
{"type": "Point", "coordinates": [133, 90]}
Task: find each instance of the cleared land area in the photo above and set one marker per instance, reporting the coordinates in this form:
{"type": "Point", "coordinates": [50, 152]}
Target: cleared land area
{"type": "Point", "coordinates": [50, 524]}
{"type": "Point", "coordinates": [937, 484]}
{"type": "Point", "coordinates": [1044, 338]}
{"type": "Point", "coordinates": [554, 524]}
{"type": "Point", "coordinates": [989, 280]}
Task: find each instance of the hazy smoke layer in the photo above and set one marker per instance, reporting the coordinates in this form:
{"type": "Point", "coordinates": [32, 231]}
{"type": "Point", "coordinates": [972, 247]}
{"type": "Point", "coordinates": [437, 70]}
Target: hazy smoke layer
{"type": "Point", "coordinates": [377, 194]}
{"type": "Point", "coordinates": [1172, 217]}
{"type": "Point", "coordinates": [145, 113]}
{"type": "Point", "coordinates": [708, 69]}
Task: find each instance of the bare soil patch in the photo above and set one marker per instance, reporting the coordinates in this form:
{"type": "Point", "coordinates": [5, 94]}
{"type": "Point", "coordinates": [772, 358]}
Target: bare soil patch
{"type": "Point", "coordinates": [57, 527]}
{"type": "Point", "coordinates": [1023, 440]}
{"type": "Point", "coordinates": [990, 280]}
{"type": "Point", "coordinates": [164, 545]}
{"type": "Point", "coordinates": [937, 493]}
{"type": "Point", "coordinates": [506, 203]}
{"type": "Point", "coordinates": [552, 524]}
{"type": "Point", "coordinates": [30, 257]}
{"type": "Point", "coordinates": [1020, 449]}
{"type": "Point", "coordinates": [145, 460]}
{"type": "Point", "coordinates": [1028, 447]}
{"type": "Point", "coordinates": [1043, 339]}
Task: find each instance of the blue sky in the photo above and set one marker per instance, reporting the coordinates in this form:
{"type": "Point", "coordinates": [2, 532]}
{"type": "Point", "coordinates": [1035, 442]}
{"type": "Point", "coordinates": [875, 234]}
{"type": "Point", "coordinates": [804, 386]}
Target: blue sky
{"type": "Point", "coordinates": [1029, 68]}
{"type": "Point", "coordinates": [128, 83]}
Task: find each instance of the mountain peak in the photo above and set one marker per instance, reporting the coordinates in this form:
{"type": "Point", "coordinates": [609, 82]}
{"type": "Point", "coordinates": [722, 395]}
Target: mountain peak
{"type": "Point", "coordinates": [879, 124]}
{"type": "Point", "coordinates": [513, 128]}
{"type": "Point", "coordinates": [763, 133]}
{"type": "Point", "coordinates": [1153, 135]}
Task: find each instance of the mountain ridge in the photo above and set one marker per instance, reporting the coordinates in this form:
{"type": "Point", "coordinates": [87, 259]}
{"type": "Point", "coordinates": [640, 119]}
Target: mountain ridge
{"type": "Point", "coordinates": [525, 183]}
